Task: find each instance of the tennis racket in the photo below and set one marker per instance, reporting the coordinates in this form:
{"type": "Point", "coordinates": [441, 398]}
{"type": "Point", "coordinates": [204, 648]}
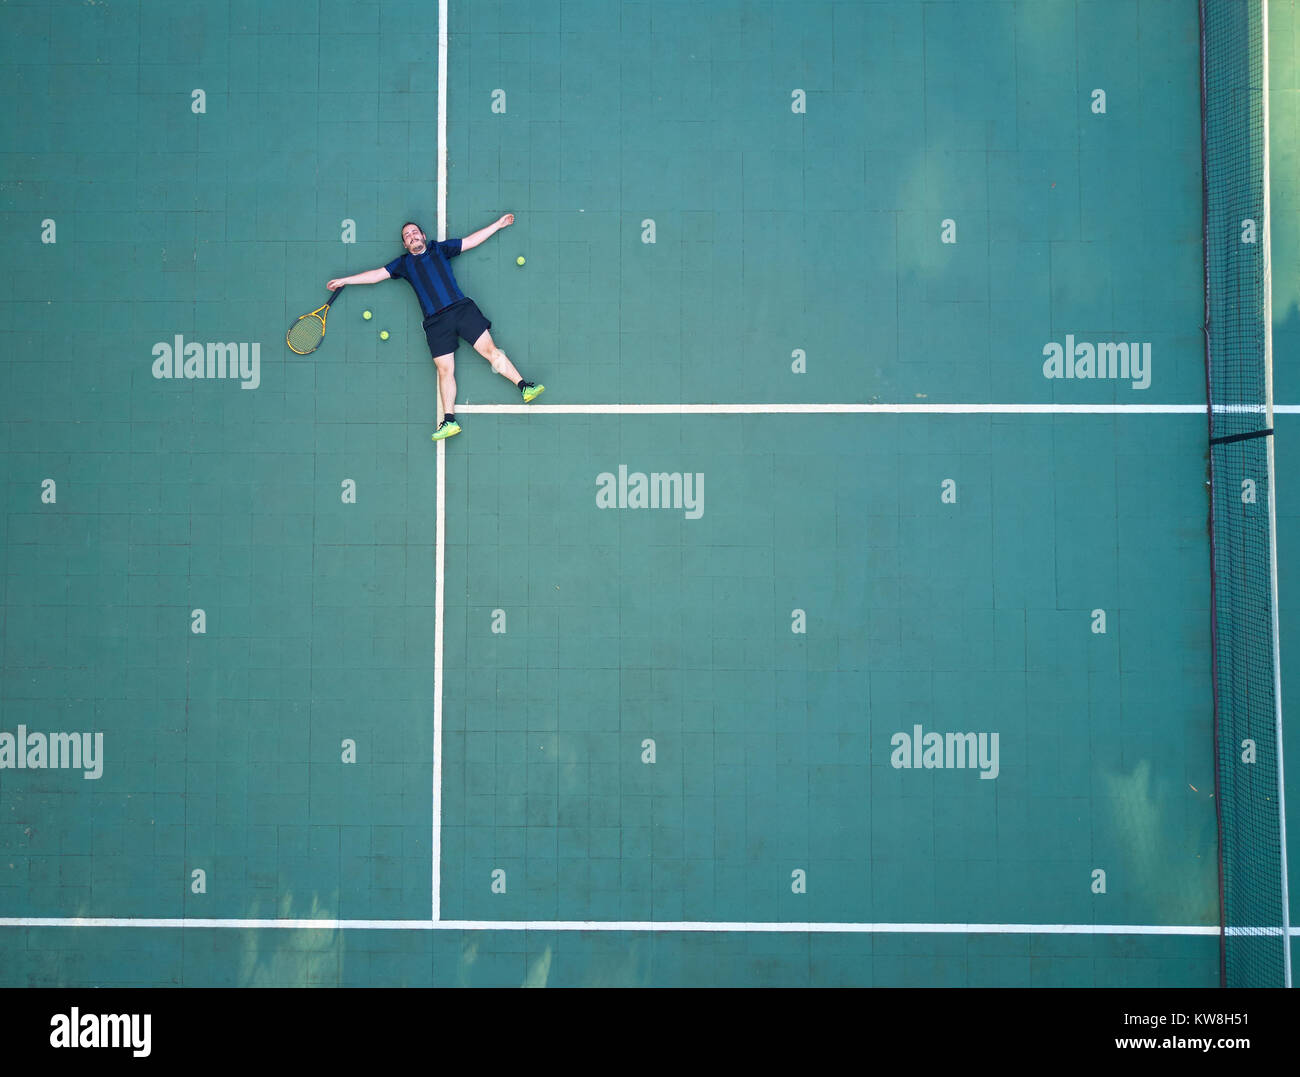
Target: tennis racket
{"type": "Point", "coordinates": [306, 334]}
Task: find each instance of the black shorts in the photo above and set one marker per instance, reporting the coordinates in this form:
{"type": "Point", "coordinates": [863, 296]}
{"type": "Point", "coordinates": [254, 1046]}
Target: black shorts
{"type": "Point", "coordinates": [461, 319]}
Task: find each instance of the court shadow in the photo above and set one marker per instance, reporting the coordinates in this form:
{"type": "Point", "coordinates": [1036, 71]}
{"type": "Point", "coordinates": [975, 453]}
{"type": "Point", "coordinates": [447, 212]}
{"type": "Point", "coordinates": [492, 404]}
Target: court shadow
{"type": "Point", "coordinates": [283, 957]}
{"type": "Point", "coordinates": [1170, 865]}
{"type": "Point", "coordinates": [622, 969]}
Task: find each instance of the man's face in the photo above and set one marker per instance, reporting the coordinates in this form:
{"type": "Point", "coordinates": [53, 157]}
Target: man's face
{"type": "Point", "coordinates": [413, 239]}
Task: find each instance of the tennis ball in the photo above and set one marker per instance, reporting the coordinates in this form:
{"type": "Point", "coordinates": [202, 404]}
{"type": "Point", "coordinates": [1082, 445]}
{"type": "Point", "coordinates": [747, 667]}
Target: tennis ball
{"type": "Point", "coordinates": [383, 334]}
{"type": "Point", "coordinates": [520, 260]}
{"type": "Point", "coordinates": [367, 315]}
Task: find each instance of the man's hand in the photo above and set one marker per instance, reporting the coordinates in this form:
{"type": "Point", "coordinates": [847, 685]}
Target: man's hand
{"type": "Point", "coordinates": [506, 221]}
{"type": "Point", "coordinates": [334, 285]}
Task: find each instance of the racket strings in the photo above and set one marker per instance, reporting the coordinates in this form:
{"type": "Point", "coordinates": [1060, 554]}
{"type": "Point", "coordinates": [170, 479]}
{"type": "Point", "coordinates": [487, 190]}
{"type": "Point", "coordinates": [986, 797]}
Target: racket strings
{"type": "Point", "coordinates": [306, 333]}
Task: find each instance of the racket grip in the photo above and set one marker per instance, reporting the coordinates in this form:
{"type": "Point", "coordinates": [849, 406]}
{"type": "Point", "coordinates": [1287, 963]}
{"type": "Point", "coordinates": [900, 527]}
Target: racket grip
{"type": "Point", "coordinates": [337, 292]}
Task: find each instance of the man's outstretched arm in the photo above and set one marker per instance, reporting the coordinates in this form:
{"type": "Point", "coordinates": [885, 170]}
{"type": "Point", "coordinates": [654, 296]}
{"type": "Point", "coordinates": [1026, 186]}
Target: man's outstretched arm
{"type": "Point", "coordinates": [371, 276]}
{"type": "Point", "coordinates": [471, 241]}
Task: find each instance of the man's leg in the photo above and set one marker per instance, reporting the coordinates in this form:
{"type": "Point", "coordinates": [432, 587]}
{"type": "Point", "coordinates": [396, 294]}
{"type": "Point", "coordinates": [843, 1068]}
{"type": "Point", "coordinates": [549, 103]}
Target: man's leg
{"type": "Point", "coordinates": [501, 363]}
{"type": "Point", "coordinates": [446, 365]}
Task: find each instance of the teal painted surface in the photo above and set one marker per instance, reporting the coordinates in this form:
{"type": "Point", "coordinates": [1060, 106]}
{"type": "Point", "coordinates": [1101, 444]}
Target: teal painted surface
{"type": "Point", "coordinates": [775, 231]}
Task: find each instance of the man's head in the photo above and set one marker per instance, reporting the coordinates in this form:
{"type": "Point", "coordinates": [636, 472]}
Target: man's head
{"type": "Point", "coordinates": [413, 238]}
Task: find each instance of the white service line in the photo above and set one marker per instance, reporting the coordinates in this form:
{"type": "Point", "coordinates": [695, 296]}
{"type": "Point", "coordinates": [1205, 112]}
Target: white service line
{"type": "Point", "coordinates": [864, 409]}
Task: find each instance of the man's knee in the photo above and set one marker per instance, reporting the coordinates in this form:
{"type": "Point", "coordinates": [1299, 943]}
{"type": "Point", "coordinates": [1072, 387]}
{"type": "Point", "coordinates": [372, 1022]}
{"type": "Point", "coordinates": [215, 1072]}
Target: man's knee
{"type": "Point", "coordinates": [446, 364]}
{"type": "Point", "coordinates": [487, 347]}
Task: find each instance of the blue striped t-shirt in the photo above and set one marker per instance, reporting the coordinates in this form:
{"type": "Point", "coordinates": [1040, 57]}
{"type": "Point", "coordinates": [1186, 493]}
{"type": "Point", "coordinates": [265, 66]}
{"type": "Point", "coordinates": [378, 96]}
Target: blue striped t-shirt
{"type": "Point", "coordinates": [430, 275]}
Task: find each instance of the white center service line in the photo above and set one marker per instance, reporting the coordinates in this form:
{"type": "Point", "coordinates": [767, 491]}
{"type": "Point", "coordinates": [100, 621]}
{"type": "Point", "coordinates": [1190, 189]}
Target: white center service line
{"type": "Point", "coordinates": [440, 526]}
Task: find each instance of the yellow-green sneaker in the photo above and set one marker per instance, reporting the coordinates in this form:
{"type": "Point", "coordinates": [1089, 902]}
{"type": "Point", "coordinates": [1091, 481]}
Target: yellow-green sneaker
{"type": "Point", "coordinates": [532, 392]}
{"type": "Point", "coordinates": [446, 429]}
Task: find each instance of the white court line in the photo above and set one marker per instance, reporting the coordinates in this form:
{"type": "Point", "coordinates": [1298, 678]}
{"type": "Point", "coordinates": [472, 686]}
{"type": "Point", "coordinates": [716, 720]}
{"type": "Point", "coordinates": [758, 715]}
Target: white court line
{"type": "Point", "coordinates": [658, 926]}
{"type": "Point", "coordinates": [1272, 493]}
{"type": "Point", "coordinates": [440, 515]}
{"type": "Point", "coordinates": [866, 409]}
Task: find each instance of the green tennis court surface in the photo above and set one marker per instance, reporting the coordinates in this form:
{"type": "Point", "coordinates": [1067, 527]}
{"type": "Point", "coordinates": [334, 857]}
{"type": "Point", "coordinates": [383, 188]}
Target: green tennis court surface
{"type": "Point", "coordinates": [772, 696]}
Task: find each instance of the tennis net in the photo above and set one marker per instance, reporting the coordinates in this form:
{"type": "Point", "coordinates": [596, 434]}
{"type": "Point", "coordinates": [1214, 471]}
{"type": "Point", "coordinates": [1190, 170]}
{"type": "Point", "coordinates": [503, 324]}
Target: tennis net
{"type": "Point", "coordinates": [1251, 822]}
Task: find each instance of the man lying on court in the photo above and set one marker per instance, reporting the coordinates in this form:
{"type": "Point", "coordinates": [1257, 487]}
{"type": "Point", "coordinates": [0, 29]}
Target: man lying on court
{"type": "Point", "coordinates": [448, 313]}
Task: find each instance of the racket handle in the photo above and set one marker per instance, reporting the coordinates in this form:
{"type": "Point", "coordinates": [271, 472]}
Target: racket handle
{"type": "Point", "coordinates": [337, 292]}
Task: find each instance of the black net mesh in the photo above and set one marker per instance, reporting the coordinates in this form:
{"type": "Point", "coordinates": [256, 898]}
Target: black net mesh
{"type": "Point", "coordinates": [1238, 382]}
